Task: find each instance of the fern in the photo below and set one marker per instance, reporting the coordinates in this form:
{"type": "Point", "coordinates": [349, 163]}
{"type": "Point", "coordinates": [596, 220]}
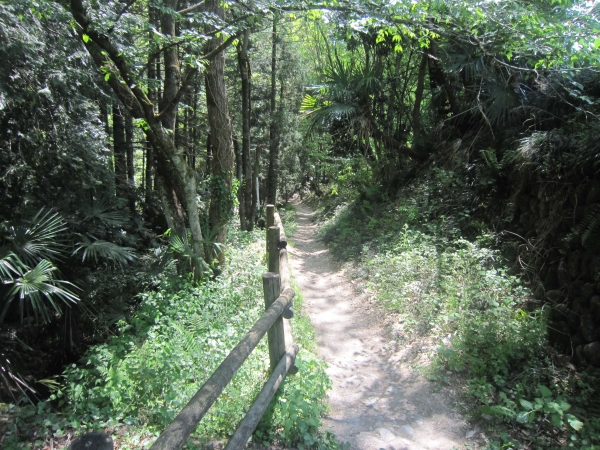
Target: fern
{"type": "Point", "coordinates": [589, 229]}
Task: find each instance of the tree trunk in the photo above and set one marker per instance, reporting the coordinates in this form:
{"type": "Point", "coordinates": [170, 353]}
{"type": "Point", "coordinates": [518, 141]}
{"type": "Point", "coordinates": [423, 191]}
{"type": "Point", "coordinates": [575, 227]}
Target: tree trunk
{"type": "Point", "coordinates": [437, 78]}
{"type": "Point", "coordinates": [255, 185]}
{"type": "Point", "coordinates": [153, 98]}
{"type": "Point", "coordinates": [273, 128]}
{"type": "Point", "coordinates": [130, 166]}
{"type": "Point", "coordinates": [120, 150]}
{"type": "Point", "coordinates": [240, 177]}
{"type": "Point", "coordinates": [416, 115]}
{"type": "Point", "coordinates": [172, 82]}
{"type": "Point", "coordinates": [246, 187]}
{"type": "Point", "coordinates": [171, 166]}
{"type": "Point", "coordinates": [221, 202]}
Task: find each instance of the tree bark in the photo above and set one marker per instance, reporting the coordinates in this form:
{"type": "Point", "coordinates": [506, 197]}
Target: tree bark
{"type": "Point", "coordinates": [437, 78]}
{"type": "Point", "coordinates": [221, 202]}
{"type": "Point", "coordinates": [416, 115]}
{"type": "Point", "coordinates": [240, 177]}
{"type": "Point", "coordinates": [246, 187]}
{"type": "Point", "coordinates": [273, 128]}
{"type": "Point", "coordinates": [255, 185]}
{"type": "Point", "coordinates": [172, 168]}
{"type": "Point", "coordinates": [120, 150]}
{"type": "Point", "coordinates": [130, 166]}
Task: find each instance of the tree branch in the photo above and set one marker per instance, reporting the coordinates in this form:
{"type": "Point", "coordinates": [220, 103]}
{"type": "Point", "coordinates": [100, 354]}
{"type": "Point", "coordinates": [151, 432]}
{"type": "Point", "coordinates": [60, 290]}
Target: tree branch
{"type": "Point", "coordinates": [191, 8]}
{"type": "Point", "coordinates": [102, 49]}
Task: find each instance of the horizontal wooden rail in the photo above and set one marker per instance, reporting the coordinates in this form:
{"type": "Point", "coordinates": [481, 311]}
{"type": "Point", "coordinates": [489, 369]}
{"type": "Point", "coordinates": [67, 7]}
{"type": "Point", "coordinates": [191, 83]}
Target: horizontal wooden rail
{"type": "Point", "coordinates": [175, 435]}
{"type": "Point", "coordinates": [256, 411]}
{"type": "Point", "coordinates": [282, 238]}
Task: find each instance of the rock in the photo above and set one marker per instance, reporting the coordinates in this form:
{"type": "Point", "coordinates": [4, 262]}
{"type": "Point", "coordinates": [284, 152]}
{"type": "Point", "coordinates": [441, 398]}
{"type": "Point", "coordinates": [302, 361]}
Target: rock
{"type": "Point", "coordinates": [470, 434]}
{"type": "Point", "coordinates": [580, 305]}
{"type": "Point", "coordinates": [573, 263]}
{"type": "Point", "coordinates": [558, 334]}
{"type": "Point", "coordinates": [593, 195]}
{"type": "Point", "coordinates": [407, 431]}
{"type": "Point", "coordinates": [370, 402]}
{"type": "Point", "coordinates": [595, 307]}
{"type": "Point", "coordinates": [92, 441]}
{"type": "Point", "coordinates": [588, 330]}
{"type": "Point", "coordinates": [560, 313]}
{"type": "Point", "coordinates": [370, 441]}
{"type": "Point", "coordinates": [591, 353]}
{"type": "Point", "coordinates": [564, 278]}
{"type": "Point", "coordinates": [551, 279]}
{"type": "Point", "coordinates": [579, 357]}
{"type": "Point", "coordinates": [587, 291]}
{"type": "Point", "coordinates": [386, 434]}
{"type": "Point", "coordinates": [554, 295]}
{"type": "Point", "coordinates": [594, 268]}
{"type": "Point", "coordinates": [539, 292]}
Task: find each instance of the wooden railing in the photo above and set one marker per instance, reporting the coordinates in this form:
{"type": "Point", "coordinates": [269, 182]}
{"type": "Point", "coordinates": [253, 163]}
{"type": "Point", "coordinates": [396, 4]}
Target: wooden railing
{"type": "Point", "coordinates": [282, 351]}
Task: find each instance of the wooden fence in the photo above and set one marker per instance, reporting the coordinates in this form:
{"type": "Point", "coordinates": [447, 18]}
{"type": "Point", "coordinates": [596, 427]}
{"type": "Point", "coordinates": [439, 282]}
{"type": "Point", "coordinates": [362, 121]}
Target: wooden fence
{"type": "Point", "coordinates": [282, 351]}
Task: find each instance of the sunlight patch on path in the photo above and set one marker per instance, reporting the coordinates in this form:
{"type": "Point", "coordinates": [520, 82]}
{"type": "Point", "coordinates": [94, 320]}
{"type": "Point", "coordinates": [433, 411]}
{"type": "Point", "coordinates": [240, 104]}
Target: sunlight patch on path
{"type": "Point", "coordinates": [377, 401]}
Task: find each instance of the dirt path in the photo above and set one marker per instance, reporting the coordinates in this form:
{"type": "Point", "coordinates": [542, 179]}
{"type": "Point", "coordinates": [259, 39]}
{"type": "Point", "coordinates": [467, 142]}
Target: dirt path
{"type": "Point", "coordinates": [377, 401]}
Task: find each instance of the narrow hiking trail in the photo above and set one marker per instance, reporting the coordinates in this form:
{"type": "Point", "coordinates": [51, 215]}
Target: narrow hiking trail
{"type": "Point", "coordinates": [377, 401]}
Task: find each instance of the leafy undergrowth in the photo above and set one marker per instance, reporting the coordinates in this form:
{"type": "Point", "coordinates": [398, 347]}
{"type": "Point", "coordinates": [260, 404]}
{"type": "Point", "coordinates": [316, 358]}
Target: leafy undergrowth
{"type": "Point", "coordinates": [133, 385]}
{"type": "Point", "coordinates": [491, 336]}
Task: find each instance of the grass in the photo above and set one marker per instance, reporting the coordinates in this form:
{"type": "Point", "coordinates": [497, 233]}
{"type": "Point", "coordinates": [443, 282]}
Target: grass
{"type": "Point", "coordinates": [133, 385]}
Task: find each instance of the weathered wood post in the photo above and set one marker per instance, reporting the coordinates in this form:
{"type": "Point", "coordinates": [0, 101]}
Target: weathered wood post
{"type": "Point", "coordinates": [273, 248]}
{"type": "Point", "coordinates": [276, 334]}
{"type": "Point", "coordinates": [270, 220]}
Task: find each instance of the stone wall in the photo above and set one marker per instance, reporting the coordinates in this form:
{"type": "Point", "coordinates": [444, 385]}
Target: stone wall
{"type": "Point", "coordinates": [559, 221]}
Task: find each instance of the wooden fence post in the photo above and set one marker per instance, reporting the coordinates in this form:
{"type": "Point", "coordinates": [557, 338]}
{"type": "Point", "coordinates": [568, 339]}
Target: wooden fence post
{"type": "Point", "coordinates": [276, 334]}
{"type": "Point", "coordinates": [273, 248]}
{"type": "Point", "coordinates": [270, 221]}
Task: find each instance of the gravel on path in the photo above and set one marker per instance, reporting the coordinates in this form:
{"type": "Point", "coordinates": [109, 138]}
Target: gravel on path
{"type": "Point", "coordinates": [377, 401]}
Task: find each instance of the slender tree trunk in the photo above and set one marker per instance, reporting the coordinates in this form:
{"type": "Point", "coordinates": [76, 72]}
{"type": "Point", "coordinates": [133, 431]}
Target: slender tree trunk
{"type": "Point", "coordinates": [130, 166]}
{"type": "Point", "coordinates": [172, 81]}
{"type": "Point", "coordinates": [172, 167]}
{"type": "Point", "coordinates": [221, 203]}
{"type": "Point", "coordinates": [148, 178]}
{"type": "Point", "coordinates": [273, 128]}
{"type": "Point", "coordinates": [437, 78]}
{"type": "Point", "coordinates": [255, 185]}
{"type": "Point", "coordinates": [246, 187]}
{"type": "Point", "coordinates": [240, 177]}
{"type": "Point", "coordinates": [120, 150]}
{"type": "Point", "coordinates": [416, 115]}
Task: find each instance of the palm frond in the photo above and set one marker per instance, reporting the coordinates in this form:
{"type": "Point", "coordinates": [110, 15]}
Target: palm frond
{"type": "Point", "coordinates": [10, 265]}
{"type": "Point", "coordinates": [37, 290]}
{"type": "Point", "coordinates": [502, 104]}
{"type": "Point", "coordinates": [103, 210]}
{"type": "Point", "coordinates": [323, 115]}
{"type": "Point", "coordinates": [103, 250]}
{"type": "Point", "coordinates": [39, 237]}
{"type": "Point", "coordinates": [157, 262]}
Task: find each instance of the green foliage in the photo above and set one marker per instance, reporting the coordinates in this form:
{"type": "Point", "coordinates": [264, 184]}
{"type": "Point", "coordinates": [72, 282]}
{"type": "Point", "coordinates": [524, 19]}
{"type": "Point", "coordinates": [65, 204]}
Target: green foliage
{"type": "Point", "coordinates": [157, 360]}
{"type": "Point", "coordinates": [458, 293]}
{"type": "Point", "coordinates": [589, 229]}
{"type": "Point", "coordinates": [36, 291]}
{"type": "Point", "coordinates": [294, 417]}
{"type": "Point", "coordinates": [99, 250]}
